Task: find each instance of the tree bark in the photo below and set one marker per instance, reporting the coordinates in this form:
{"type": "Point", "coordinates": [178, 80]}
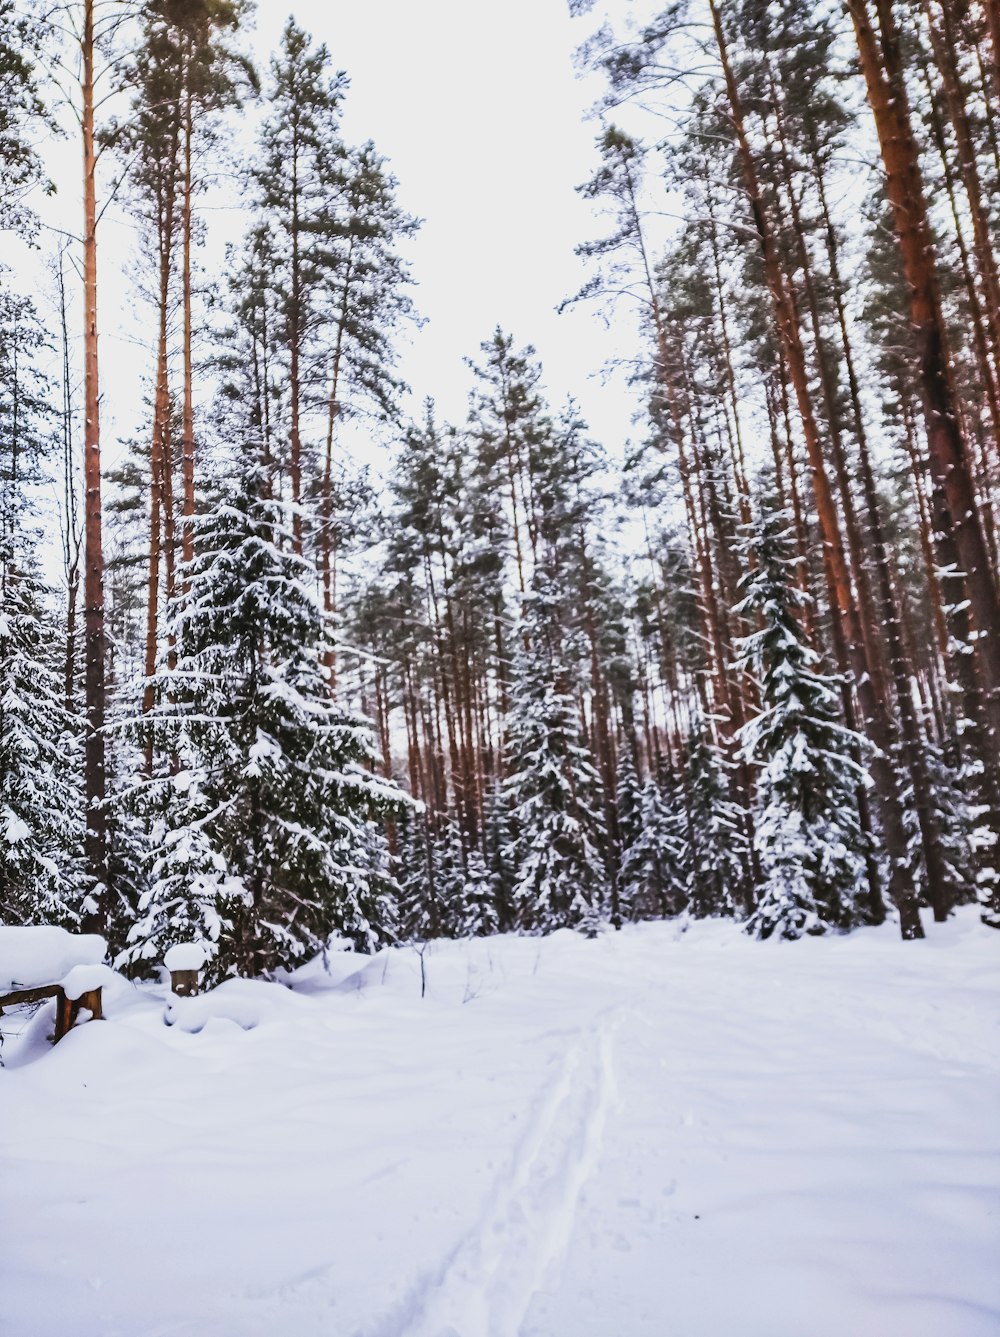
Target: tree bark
{"type": "Point", "coordinates": [943, 46]}
{"type": "Point", "coordinates": [881, 64]}
{"type": "Point", "coordinates": [187, 418]}
{"type": "Point", "coordinates": [94, 634]}
{"type": "Point", "coordinates": [877, 720]}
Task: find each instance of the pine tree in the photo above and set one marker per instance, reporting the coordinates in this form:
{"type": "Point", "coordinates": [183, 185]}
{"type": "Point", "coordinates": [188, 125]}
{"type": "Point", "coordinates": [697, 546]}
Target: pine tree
{"type": "Point", "coordinates": [810, 845]}
{"type": "Point", "coordinates": [560, 880]}
{"type": "Point", "coordinates": [266, 845]}
{"type": "Point", "coordinates": [509, 422]}
{"type": "Point", "coordinates": [300, 173]}
{"type": "Point", "coordinates": [363, 282]}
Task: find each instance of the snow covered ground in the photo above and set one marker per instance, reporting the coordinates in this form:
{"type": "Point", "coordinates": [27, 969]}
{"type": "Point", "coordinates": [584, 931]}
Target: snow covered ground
{"type": "Point", "coordinates": [651, 1135]}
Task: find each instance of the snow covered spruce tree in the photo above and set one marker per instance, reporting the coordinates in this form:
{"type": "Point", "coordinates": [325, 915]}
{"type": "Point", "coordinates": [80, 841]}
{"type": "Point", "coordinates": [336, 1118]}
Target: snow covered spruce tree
{"type": "Point", "coordinates": [41, 806]}
{"type": "Point", "coordinates": [269, 841]}
{"type": "Point", "coordinates": [446, 890]}
{"type": "Point", "coordinates": [425, 875]}
{"type": "Point", "coordinates": [498, 844]}
{"type": "Point", "coordinates": [559, 879]}
{"type": "Point", "coordinates": [651, 823]}
{"type": "Point", "coordinates": [808, 838]}
{"type": "Point", "coordinates": [628, 809]}
{"type": "Point", "coordinates": [715, 854]}
{"type": "Point", "coordinates": [41, 800]}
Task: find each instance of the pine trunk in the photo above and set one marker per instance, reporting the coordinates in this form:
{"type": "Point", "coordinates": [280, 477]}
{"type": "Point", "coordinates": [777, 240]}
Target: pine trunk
{"type": "Point", "coordinates": [881, 65]}
{"type": "Point", "coordinates": [943, 44]}
{"type": "Point", "coordinates": [93, 540]}
{"type": "Point", "coordinates": [187, 418]}
{"type": "Point", "coordinates": [877, 720]}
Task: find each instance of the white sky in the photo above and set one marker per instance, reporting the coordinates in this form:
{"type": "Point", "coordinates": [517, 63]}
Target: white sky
{"type": "Point", "coordinates": [483, 118]}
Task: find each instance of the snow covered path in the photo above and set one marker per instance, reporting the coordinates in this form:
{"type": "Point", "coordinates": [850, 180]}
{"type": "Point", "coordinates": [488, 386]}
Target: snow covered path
{"type": "Point", "coordinates": [650, 1134]}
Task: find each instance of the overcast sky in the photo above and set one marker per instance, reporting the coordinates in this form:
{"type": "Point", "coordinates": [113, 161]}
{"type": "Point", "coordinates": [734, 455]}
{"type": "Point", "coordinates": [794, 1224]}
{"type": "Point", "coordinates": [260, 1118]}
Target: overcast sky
{"type": "Point", "coordinates": [482, 115]}
{"type": "Point", "coordinates": [480, 111]}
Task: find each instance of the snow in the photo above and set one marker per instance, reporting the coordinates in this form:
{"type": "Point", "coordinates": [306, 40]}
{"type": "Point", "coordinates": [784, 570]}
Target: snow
{"type": "Point", "coordinates": [654, 1134]}
{"type": "Point", "coordinates": [30, 957]}
{"type": "Point", "coordinates": [245, 1003]}
{"type": "Point", "coordinates": [81, 979]}
{"type": "Point", "coordinates": [185, 956]}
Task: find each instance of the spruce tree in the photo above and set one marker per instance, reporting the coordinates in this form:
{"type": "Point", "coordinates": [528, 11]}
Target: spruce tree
{"type": "Point", "coordinates": [415, 875]}
{"type": "Point", "coordinates": [628, 808]}
{"type": "Point", "coordinates": [266, 844]}
{"type": "Point", "coordinates": [497, 847]}
{"type": "Point", "coordinates": [479, 918]}
{"type": "Point", "coordinates": [652, 870]}
{"type": "Point", "coordinates": [808, 839]}
{"type": "Point", "coordinates": [552, 786]}
{"type": "Point", "coordinates": [41, 806]}
{"type": "Point", "coordinates": [715, 856]}
{"type": "Point", "coordinates": [41, 803]}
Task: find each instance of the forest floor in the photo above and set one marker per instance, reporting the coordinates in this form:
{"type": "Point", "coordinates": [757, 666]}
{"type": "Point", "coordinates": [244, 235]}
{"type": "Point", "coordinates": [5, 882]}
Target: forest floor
{"type": "Point", "coordinates": [655, 1134]}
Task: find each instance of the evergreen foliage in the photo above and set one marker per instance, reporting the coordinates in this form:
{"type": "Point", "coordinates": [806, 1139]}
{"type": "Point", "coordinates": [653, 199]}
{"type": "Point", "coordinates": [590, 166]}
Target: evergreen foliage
{"type": "Point", "coordinates": [715, 857]}
{"type": "Point", "coordinates": [652, 876]}
{"type": "Point", "coordinates": [266, 846]}
{"type": "Point", "coordinates": [41, 803]}
{"type": "Point", "coordinates": [552, 786]}
{"type": "Point", "coordinates": [810, 845]}
{"type": "Point", "coordinates": [41, 807]}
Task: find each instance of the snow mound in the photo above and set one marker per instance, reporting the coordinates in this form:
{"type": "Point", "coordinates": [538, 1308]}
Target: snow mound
{"type": "Point", "coordinates": [248, 1003]}
{"type": "Point", "coordinates": [323, 975]}
{"type": "Point", "coordinates": [30, 957]}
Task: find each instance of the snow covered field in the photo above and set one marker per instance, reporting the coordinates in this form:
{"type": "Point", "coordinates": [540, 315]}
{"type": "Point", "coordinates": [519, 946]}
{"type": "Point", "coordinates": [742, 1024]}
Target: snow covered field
{"type": "Point", "coordinates": [650, 1135]}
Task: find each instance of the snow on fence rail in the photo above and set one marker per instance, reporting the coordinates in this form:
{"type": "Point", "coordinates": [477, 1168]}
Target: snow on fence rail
{"type": "Point", "coordinates": [41, 962]}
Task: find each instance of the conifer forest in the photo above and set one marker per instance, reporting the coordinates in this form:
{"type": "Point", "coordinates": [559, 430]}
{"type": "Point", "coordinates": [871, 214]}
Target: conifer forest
{"type": "Point", "coordinates": [500, 668]}
{"type": "Point", "coordinates": [254, 693]}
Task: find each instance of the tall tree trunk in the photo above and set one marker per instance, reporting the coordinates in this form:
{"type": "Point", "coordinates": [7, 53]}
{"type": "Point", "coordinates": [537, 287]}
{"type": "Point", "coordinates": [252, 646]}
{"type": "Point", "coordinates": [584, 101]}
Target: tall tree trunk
{"type": "Point", "coordinates": [881, 64]}
{"type": "Point", "coordinates": [327, 557]}
{"type": "Point", "coordinates": [877, 720]}
{"type": "Point", "coordinates": [71, 530]}
{"type": "Point", "coordinates": [93, 594]}
{"type": "Point", "coordinates": [187, 412]}
{"type": "Point", "coordinates": [979, 334]}
{"type": "Point", "coordinates": [943, 45]}
{"type": "Point", "coordinates": [940, 891]}
{"type": "Point", "coordinates": [295, 334]}
{"type": "Point", "coordinates": [155, 539]}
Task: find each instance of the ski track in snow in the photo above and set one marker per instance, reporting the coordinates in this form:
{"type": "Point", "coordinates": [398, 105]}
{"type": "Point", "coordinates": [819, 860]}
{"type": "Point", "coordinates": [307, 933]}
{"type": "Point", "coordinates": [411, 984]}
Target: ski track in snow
{"type": "Point", "coordinates": [486, 1285]}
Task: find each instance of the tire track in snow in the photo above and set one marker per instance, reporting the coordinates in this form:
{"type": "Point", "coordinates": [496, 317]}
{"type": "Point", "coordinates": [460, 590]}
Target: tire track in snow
{"type": "Point", "coordinates": [486, 1284]}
